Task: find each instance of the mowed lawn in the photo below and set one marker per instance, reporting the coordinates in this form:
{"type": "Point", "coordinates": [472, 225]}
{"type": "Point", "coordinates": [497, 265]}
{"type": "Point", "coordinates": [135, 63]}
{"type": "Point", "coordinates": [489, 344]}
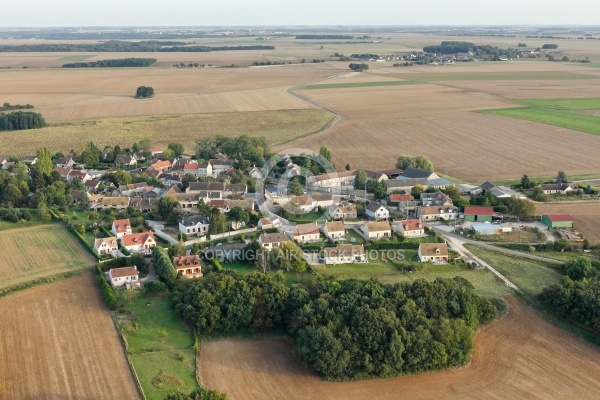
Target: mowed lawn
{"type": "Point", "coordinates": [566, 113]}
{"type": "Point", "coordinates": [40, 251]}
{"type": "Point", "coordinates": [530, 276]}
{"type": "Point", "coordinates": [160, 346]}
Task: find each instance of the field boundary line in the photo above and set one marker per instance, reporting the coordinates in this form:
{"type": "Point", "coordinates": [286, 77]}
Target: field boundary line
{"type": "Point", "coordinates": [124, 346]}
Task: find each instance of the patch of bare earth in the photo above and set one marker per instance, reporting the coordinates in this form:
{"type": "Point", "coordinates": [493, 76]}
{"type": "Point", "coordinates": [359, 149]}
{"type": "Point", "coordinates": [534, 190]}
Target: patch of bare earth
{"type": "Point", "coordinates": [58, 342]}
{"type": "Point", "coordinates": [519, 357]}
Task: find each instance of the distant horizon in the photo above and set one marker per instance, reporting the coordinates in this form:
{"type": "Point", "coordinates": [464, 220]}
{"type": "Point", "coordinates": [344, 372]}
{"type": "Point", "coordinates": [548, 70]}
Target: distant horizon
{"type": "Point", "coordinates": [137, 13]}
{"type": "Point", "coordinates": [516, 25]}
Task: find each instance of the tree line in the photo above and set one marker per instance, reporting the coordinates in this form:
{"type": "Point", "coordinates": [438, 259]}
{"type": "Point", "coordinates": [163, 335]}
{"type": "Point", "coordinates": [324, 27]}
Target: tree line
{"type": "Point", "coordinates": [248, 150]}
{"type": "Point", "coordinates": [123, 62]}
{"type": "Point", "coordinates": [453, 47]}
{"type": "Point", "coordinates": [327, 37]}
{"type": "Point", "coordinates": [126, 46]}
{"type": "Point", "coordinates": [11, 107]}
{"type": "Point", "coordinates": [578, 295]}
{"type": "Point", "coordinates": [351, 329]}
{"type": "Point", "coordinates": [20, 120]}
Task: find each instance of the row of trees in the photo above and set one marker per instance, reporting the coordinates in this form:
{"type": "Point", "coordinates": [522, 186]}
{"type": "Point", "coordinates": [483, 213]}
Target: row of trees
{"type": "Point", "coordinates": [11, 107]}
{"type": "Point", "coordinates": [20, 120]}
{"type": "Point", "coordinates": [345, 329]}
{"type": "Point", "coordinates": [578, 295]}
{"type": "Point", "coordinates": [125, 46]}
{"type": "Point", "coordinates": [163, 265]}
{"type": "Point", "coordinates": [123, 62]}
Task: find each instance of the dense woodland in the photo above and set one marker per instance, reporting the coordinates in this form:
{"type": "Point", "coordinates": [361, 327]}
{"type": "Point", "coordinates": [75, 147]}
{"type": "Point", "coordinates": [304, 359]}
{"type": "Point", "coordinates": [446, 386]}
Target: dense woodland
{"type": "Point", "coordinates": [345, 329]}
{"type": "Point", "coordinates": [12, 107]}
{"type": "Point", "coordinates": [125, 46]}
{"type": "Point", "coordinates": [123, 62]}
{"type": "Point", "coordinates": [578, 295]}
{"type": "Point", "coordinates": [20, 120]}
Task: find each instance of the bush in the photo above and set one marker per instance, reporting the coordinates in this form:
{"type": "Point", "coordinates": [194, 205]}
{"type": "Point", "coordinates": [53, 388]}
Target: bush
{"type": "Point", "coordinates": [155, 287]}
{"type": "Point", "coordinates": [216, 264]}
{"type": "Point", "coordinates": [107, 291]}
{"type": "Point", "coordinates": [144, 92]}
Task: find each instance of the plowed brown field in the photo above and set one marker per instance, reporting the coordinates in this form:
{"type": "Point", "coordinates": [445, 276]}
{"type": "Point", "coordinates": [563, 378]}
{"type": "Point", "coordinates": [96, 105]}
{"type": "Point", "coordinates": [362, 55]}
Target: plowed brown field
{"type": "Point", "coordinates": [586, 216]}
{"type": "Point", "coordinates": [519, 357]}
{"type": "Point", "coordinates": [59, 343]}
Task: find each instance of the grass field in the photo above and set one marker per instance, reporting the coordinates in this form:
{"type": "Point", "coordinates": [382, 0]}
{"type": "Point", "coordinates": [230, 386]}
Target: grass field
{"type": "Point", "coordinates": [159, 344]}
{"type": "Point", "coordinates": [41, 251]}
{"type": "Point", "coordinates": [485, 283]}
{"type": "Point", "coordinates": [276, 126]}
{"type": "Point", "coordinates": [530, 276]}
{"type": "Point", "coordinates": [59, 342]}
{"type": "Point", "coordinates": [355, 85]}
{"type": "Point", "coordinates": [244, 268]}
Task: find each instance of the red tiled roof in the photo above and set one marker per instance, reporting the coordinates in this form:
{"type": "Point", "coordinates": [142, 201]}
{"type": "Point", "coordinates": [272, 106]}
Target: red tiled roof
{"type": "Point", "coordinates": [412, 225]}
{"type": "Point", "coordinates": [559, 217]}
{"type": "Point", "coordinates": [137, 238]}
{"type": "Point", "coordinates": [396, 197]}
{"type": "Point", "coordinates": [190, 166]}
{"type": "Point", "coordinates": [479, 210]}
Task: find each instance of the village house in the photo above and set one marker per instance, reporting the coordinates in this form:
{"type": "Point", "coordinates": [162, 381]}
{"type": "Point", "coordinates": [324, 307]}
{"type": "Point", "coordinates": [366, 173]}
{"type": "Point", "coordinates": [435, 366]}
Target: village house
{"type": "Point", "coordinates": [125, 276]}
{"type": "Point", "coordinates": [433, 252]}
{"type": "Point", "coordinates": [376, 211]}
{"type": "Point", "coordinates": [65, 162]}
{"type": "Point", "coordinates": [411, 228]}
{"type": "Point", "coordinates": [478, 214]}
{"type": "Point", "coordinates": [222, 190]}
{"type": "Point", "coordinates": [205, 169]}
{"type": "Point", "coordinates": [92, 185]}
{"type": "Point", "coordinates": [139, 242]}
{"type": "Point", "coordinates": [111, 203]}
{"type": "Point", "coordinates": [187, 201]}
{"type": "Point", "coordinates": [342, 211]}
{"type": "Point", "coordinates": [376, 176]}
{"type": "Point", "coordinates": [194, 225]}
{"type": "Point", "coordinates": [29, 160]}
{"type": "Point", "coordinates": [188, 266]}
{"type": "Point", "coordinates": [255, 173]}
{"type": "Point", "coordinates": [132, 189]}
{"type": "Point", "coordinates": [303, 203]}
{"type": "Point", "coordinates": [305, 233]}
{"type": "Point", "coordinates": [377, 230]}
{"type": "Point", "coordinates": [121, 227]}
{"type": "Point", "coordinates": [435, 199]}
{"type": "Point", "coordinates": [268, 223]}
{"type": "Point", "coordinates": [324, 200]}
{"type": "Point", "coordinates": [160, 166]}
{"type": "Point", "coordinates": [334, 230]}
{"type": "Point", "coordinates": [5, 163]}
{"type": "Point", "coordinates": [219, 166]}
{"type": "Point", "coordinates": [141, 203]}
{"type": "Point", "coordinates": [559, 188]}
{"type": "Point", "coordinates": [344, 254]}
{"type": "Point", "coordinates": [270, 241]}
{"type": "Point", "coordinates": [343, 179]}
{"type": "Point", "coordinates": [108, 245]}
{"type": "Point", "coordinates": [436, 213]}
{"type": "Point", "coordinates": [126, 160]}
{"type": "Point", "coordinates": [192, 169]}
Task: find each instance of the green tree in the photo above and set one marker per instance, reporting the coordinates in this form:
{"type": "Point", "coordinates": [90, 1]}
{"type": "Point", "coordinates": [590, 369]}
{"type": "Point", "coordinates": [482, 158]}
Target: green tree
{"type": "Point", "coordinates": [361, 179]}
{"type": "Point", "coordinates": [143, 92]}
{"type": "Point", "coordinates": [94, 216]}
{"type": "Point", "coordinates": [239, 214]}
{"type": "Point", "coordinates": [177, 148]}
{"type": "Point", "coordinates": [416, 191]}
{"type": "Point", "coordinates": [538, 194]}
{"type": "Point", "coordinates": [526, 182]}
{"type": "Point", "coordinates": [324, 151]}
{"type": "Point", "coordinates": [452, 191]}
{"type": "Point", "coordinates": [580, 268]}
{"type": "Point", "coordinates": [218, 222]}
{"type": "Point", "coordinates": [295, 187]}
{"type": "Point", "coordinates": [44, 161]}
{"type": "Point", "coordinates": [561, 177]}
{"type": "Point", "coordinates": [91, 154]}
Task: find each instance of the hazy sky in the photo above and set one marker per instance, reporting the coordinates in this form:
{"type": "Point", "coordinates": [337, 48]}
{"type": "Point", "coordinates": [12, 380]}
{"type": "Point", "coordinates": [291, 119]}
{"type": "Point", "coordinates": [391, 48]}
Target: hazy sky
{"type": "Point", "coordinates": [297, 12]}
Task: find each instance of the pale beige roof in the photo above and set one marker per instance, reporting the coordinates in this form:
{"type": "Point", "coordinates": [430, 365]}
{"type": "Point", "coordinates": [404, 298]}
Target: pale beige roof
{"type": "Point", "coordinates": [433, 210]}
{"type": "Point", "coordinates": [378, 226]}
{"type": "Point", "coordinates": [110, 242]}
{"type": "Point", "coordinates": [434, 249]}
{"type": "Point", "coordinates": [305, 229]}
{"type": "Point", "coordinates": [273, 238]}
{"type": "Point", "coordinates": [345, 250]}
{"type": "Point", "coordinates": [335, 226]}
{"type": "Point", "coordinates": [123, 272]}
{"type": "Point", "coordinates": [115, 201]}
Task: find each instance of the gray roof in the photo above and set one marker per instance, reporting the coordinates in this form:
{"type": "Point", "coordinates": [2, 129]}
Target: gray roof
{"type": "Point", "coordinates": [413, 173]}
{"type": "Point", "coordinates": [554, 186]}
{"type": "Point", "coordinates": [487, 185]}
{"type": "Point", "coordinates": [194, 219]}
{"type": "Point", "coordinates": [402, 183]}
{"type": "Point", "coordinates": [373, 206]}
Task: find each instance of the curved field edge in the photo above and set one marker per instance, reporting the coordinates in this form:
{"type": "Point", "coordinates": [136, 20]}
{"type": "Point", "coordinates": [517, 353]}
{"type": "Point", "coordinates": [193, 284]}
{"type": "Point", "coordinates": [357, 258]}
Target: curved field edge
{"type": "Point", "coordinates": [276, 126]}
{"type": "Point", "coordinates": [518, 356]}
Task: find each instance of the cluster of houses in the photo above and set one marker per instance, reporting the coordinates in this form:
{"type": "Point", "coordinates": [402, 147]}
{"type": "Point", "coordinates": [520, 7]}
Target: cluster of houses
{"type": "Point", "coordinates": [142, 242]}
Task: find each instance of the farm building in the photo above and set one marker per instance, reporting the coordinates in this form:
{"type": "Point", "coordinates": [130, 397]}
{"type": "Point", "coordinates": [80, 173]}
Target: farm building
{"type": "Point", "coordinates": [478, 214]}
{"type": "Point", "coordinates": [433, 252]}
{"type": "Point", "coordinates": [557, 221]}
{"type": "Point", "coordinates": [125, 276]}
{"type": "Point", "coordinates": [485, 228]}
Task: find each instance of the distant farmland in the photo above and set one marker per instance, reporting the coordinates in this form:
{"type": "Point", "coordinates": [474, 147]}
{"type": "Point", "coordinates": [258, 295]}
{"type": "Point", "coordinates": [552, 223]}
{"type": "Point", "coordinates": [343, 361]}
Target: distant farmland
{"type": "Point", "coordinates": [277, 126]}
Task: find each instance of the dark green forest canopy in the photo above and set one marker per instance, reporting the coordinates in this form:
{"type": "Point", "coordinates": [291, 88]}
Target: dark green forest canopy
{"type": "Point", "coordinates": [125, 46]}
{"type": "Point", "coordinates": [347, 329]}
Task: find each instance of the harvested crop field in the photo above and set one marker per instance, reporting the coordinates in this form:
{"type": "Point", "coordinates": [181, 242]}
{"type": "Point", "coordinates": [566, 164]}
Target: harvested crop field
{"type": "Point", "coordinates": [276, 126]}
{"type": "Point", "coordinates": [438, 121]}
{"type": "Point", "coordinates": [519, 357]}
{"type": "Point", "coordinates": [59, 342]}
{"type": "Point", "coordinates": [40, 251]}
{"type": "Point", "coordinates": [586, 216]}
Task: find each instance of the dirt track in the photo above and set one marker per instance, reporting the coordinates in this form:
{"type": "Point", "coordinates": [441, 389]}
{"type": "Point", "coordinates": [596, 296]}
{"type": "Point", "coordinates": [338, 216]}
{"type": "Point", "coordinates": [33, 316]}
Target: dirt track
{"type": "Point", "coordinates": [519, 357]}
{"type": "Point", "coordinates": [58, 342]}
